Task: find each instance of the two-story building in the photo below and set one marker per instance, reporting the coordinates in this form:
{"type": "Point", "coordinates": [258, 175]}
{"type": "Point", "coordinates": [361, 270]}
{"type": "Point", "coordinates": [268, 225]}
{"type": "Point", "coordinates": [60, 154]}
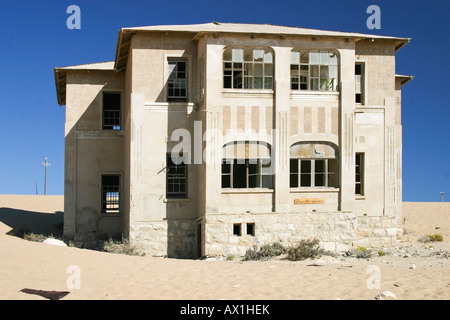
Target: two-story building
{"type": "Point", "coordinates": [204, 140]}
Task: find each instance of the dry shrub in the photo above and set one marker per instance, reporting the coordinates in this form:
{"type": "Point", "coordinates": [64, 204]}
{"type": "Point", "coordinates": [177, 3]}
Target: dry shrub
{"type": "Point", "coordinates": [266, 252]}
{"type": "Point", "coordinates": [308, 248]}
{"type": "Point", "coordinates": [124, 247]}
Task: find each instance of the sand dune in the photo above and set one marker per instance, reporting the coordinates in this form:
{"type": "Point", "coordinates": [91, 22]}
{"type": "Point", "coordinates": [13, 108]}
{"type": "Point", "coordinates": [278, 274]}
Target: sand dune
{"type": "Point", "coordinates": [411, 271]}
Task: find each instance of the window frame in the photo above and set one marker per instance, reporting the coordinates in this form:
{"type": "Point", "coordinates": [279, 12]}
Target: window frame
{"type": "Point", "coordinates": [359, 173]}
{"type": "Point", "coordinates": [176, 175]}
{"type": "Point", "coordinates": [172, 81]}
{"type": "Point", "coordinates": [312, 173]}
{"type": "Point", "coordinates": [361, 83]}
{"type": "Point", "coordinates": [114, 126]}
{"type": "Point", "coordinates": [117, 210]}
{"type": "Point", "coordinates": [310, 76]}
{"type": "Point", "coordinates": [242, 73]}
{"type": "Point", "coordinates": [260, 174]}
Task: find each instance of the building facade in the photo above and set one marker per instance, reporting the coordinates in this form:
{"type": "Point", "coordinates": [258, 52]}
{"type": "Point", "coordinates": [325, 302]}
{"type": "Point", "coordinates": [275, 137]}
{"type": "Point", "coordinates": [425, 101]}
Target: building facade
{"type": "Point", "coordinates": [205, 140]}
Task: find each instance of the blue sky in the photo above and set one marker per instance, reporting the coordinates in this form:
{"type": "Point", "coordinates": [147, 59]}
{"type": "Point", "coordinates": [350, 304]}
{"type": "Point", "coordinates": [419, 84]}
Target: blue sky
{"type": "Point", "coordinates": [34, 39]}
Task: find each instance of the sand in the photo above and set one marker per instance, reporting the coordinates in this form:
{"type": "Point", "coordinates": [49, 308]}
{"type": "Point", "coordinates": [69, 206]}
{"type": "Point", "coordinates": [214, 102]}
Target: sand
{"type": "Point", "coordinates": [412, 270]}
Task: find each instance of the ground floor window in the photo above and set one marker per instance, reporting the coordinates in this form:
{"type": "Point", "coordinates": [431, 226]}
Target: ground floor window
{"type": "Point", "coordinates": [359, 174]}
{"type": "Point", "coordinates": [111, 194]}
{"type": "Point", "coordinates": [247, 173]}
{"type": "Point", "coordinates": [313, 165]}
{"type": "Point", "coordinates": [176, 177]}
{"type": "Point", "coordinates": [313, 173]}
{"type": "Point", "coordinates": [247, 164]}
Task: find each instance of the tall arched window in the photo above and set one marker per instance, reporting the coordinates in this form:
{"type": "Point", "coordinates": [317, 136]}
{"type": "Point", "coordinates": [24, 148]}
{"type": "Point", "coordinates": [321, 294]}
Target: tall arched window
{"type": "Point", "coordinates": [246, 164]}
{"type": "Point", "coordinates": [247, 68]}
{"type": "Point", "coordinates": [314, 70]}
{"type": "Point", "coordinates": [313, 165]}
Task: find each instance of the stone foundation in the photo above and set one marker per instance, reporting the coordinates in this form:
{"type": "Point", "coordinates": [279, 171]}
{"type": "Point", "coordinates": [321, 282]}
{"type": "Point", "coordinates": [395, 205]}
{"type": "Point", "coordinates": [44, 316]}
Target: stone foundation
{"type": "Point", "coordinates": [336, 231]}
{"type": "Point", "coordinates": [94, 241]}
{"type": "Point", "coordinates": [172, 238]}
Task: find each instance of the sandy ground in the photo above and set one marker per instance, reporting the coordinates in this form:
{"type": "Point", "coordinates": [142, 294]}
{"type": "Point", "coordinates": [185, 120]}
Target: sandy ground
{"type": "Point", "coordinates": [412, 270]}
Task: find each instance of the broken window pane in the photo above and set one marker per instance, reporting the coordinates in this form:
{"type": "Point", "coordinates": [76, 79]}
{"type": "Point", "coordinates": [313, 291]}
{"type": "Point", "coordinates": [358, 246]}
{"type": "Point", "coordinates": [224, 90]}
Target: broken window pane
{"type": "Point", "coordinates": [304, 57]}
{"type": "Point", "coordinates": [322, 65]}
{"type": "Point", "coordinates": [268, 57]}
{"type": "Point", "coordinates": [110, 194]}
{"type": "Point", "coordinates": [239, 174]}
{"type": "Point", "coordinates": [258, 55]}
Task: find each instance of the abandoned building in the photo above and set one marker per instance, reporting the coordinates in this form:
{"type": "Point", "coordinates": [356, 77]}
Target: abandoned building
{"type": "Point", "coordinates": [205, 140]}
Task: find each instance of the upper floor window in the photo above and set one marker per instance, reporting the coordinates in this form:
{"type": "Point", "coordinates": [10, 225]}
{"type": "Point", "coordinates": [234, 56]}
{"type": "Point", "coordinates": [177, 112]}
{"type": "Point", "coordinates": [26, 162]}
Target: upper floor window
{"type": "Point", "coordinates": [359, 83]}
{"type": "Point", "coordinates": [177, 82]}
{"type": "Point", "coordinates": [314, 70]}
{"type": "Point", "coordinates": [247, 68]}
{"type": "Point", "coordinates": [111, 111]}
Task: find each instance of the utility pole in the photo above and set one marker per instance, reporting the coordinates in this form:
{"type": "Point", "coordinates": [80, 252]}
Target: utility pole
{"type": "Point", "coordinates": [45, 164]}
{"type": "Point", "coordinates": [442, 196]}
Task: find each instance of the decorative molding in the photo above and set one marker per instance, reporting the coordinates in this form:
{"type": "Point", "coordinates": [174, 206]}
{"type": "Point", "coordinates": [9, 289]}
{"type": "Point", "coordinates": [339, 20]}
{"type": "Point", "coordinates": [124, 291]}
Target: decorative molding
{"type": "Point", "coordinates": [314, 95]}
{"type": "Point", "coordinates": [171, 106]}
{"type": "Point", "coordinates": [110, 134]}
{"type": "Point", "coordinates": [248, 93]}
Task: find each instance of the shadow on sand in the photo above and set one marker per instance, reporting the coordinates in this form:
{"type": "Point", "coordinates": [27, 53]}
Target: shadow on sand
{"type": "Point", "coordinates": [22, 221]}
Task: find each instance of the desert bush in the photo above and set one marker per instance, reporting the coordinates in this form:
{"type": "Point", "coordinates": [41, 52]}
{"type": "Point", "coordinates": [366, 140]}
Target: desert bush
{"type": "Point", "coordinates": [436, 237]}
{"type": "Point", "coordinates": [381, 253]}
{"type": "Point", "coordinates": [360, 252]}
{"type": "Point", "coordinates": [34, 237]}
{"type": "Point", "coordinates": [305, 249]}
{"type": "Point", "coordinates": [265, 252]}
{"type": "Point", "coordinates": [27, 234]}
{"type": "Point", "coordinates": [124, 247]}
{"type": "Point", "coordinates": [432, 238]}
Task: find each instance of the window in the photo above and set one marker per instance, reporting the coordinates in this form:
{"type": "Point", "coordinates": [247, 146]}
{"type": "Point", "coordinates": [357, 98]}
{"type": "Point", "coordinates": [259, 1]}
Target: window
{"type": "Point", "coordinates": [177, 82]}
{"type": "Point", "coordinates": [237, 229]}
{"type": "Point", "coordinates": [359, 83]}
{"type": "Point", "coordinates": [111, 194]}
{"type": "Point", "coordinates": [250, 229]}
{"type": "Point", "coordinates": [176, 177]}
{"type": "Point", "coordinates": [247, 173]}
{"type": "Point", "coordinates": [314, 70]}
{"type": "Point", "coordinates": [247, 164]}
{"type": "Point", "coordinates": [313, 173]}
{"type": "Point", "coordinates": [111, 111]}
{"type": "Point", "coordinates": [313, 165]}
{"type": "Point", "coordinates": [247, 68]}
{"type": "Point", "coordinates": [359, 174]}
